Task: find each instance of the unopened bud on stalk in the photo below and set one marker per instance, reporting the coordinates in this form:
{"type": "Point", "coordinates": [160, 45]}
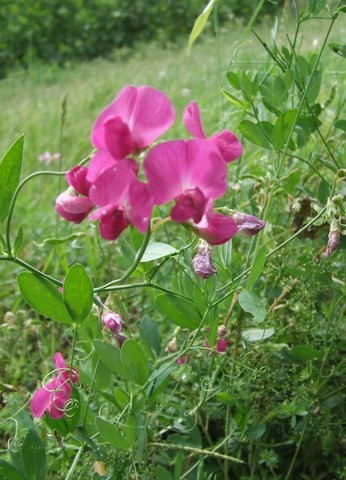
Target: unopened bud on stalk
{"type": "Point", "coordinates": [248, 224]}
{"type": "Point", "coordinates": [202, 262]}
{"type": "Point", "coordinates": [333, 239]}
{"type": "Point", "coordinates": [113, 321]}
{"type": "Point", "coordinates": [172, 346]}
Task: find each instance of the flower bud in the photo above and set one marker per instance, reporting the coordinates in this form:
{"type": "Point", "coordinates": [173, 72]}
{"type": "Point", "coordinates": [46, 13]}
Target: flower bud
{"type": "Point", "coordinates": [202, 262]}
{"type": "Point", "coordinates": [248, 224]}
{"type": "Point", "coordinates": [221, 345]}
{"type": "Point", "coordinates": [72, 207]}
{"type": "Point", "coordinates": [113, 321]}
{"type": "Point", "coordinates": [172, 346]}
{"type": "Point", "coordinates": [333, 239]}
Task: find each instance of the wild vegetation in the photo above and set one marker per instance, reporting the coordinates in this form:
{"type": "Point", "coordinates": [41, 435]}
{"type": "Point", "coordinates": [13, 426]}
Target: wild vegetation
{"type": "Point", "coordinates": [229, 366]}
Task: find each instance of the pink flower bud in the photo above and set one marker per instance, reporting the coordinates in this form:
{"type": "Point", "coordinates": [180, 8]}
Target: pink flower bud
{"type": "Point", "coordinates": [202, 262]}
{"type": "Point", "coordinates": [221, 345]}
{"type": "Point", "coordinates": [72, 207]}
{"type": "Point", "coordinates": [248, 224]}
{"type": "Point", "coordinates": [113, 321]}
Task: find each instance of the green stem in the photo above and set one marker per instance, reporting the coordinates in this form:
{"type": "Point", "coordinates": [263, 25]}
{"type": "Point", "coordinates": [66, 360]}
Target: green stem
{"type": "Point", "coordinates": [75, 463]}
{"type": "Point", "coordinates": [133, 267]}
{"type": "Point", "coordinates": [27, 266]}
{"type": "Point", "coordinates": [297, 449]}
{"type": "Point", "coordinates": [197, 451]}
{"type": "Point", "coordinates": [14, 199]}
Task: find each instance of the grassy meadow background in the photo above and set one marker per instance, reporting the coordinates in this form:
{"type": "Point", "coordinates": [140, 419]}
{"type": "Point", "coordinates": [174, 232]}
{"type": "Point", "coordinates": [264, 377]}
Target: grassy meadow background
{"type": "Point", "coordinates": [55, 107]}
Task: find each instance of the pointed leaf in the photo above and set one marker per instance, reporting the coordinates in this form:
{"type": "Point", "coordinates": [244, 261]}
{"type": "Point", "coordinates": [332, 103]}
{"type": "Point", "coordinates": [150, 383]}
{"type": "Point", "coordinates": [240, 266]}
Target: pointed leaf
{"type": "Point", "coordinates": [282, 128]}
{"type": "Point", "coordinates": [43, 296]}
{"type": "Point", "coordinates": [34, 456]}
{"type": "Point", "coordinates": [200, 22]}
{"type": "Point", "coordinates": [150, 334]}
{"type": "Point", "coordinates": [134, 361]}
{"type": "Point", "coordinates": [257, 334]}
{"type": "Point", "coordinates": [18, 243]}
{"type": "Point", "coordinates": [178, 310]}
{"type": "Point", "coordinates": [257, 267]}
{"type": "Point", "coordinates": [131, 429]}
{"type": "Point", "coordinates": [78, 292]}
{"type": "Point", "coordinates": [10, 168]}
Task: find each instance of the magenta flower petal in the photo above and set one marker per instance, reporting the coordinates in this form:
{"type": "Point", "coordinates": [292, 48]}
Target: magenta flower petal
{"type": "Point", "coordinates": [153, 114]}
{"type": "Point", "coordinates": [118, 138]}
{"type": "Point", "coordinates": [190, 204]}
{"type": "Point", "coordinates": [122, 106]}
{"type": "Point", "coordinates": [77, 178]}
{"type": "Point", "coordinates": [177, 166]}
{"type": "Point", "coordinates": [215, 228]}
{"type": "Point", "coordinates": [110, 188]}
{"type": "Point", "coordinates": [135, 118]}
{"type": "Point", "coordinates": [192, 120]}
{"type": "Point", "coordinates": [100, 162]}
{"type": "Point", "coordinates": [228, 144]}
{"type": "Point", "coordinates": [141, 205]}
{"type": "Point", "coordinates": [41, 399]}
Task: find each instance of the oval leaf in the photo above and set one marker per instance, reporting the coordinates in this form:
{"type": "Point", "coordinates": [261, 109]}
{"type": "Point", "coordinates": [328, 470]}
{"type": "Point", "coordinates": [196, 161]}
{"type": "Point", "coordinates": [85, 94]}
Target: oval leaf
{"type": "Point", "coordinates": [110, 434]}
{"type": "Point", "coordinates": [255, 134]}
{"type": "Point", "coordinates": [110, 356]}
{"type": "Point", "coordinates": [157, 250]}
{"type": "Point", "coordinates": [10, 472]}
{"type": "Point", "coordinates": [257, 267]}
{"type": "Point", "coordinates": [250, 303]}
{"type": "Point", "coordinates": [134, 362]}
{"type": "Point", "coordinates": [257, 334]}
{"type": "Point", "coordinates": [178, 310]}
{"type": "Point", "coordinates": [43, 296]}
{"type": "Point", "coordinates": [78, 292]}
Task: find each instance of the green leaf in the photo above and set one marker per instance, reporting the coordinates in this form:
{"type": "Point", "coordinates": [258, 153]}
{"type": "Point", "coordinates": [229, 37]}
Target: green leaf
{"type": "Point", "coordinates": [161, 473]}
{"type": "Point", "coordinates": [178, 310]}
{"type": "Point", "coordinates": [110, 434]}
{"type": "Point", "coordinates": [234, 100]}
{"type": "Point", "coordinates": [18, 243]}
{"type": "Point", "coordinates": [60, 240]}
{"type": "Point", "coordinates": [257, 267]}
{"type": "Point", "coordinates": [110, 356]}
{"type": "Point", "coordinates": [225, 254]}
{"type": "Point", "coordinates": [78, 293]}
{"type": "Point", "coordinates": [250, 303]}
{"type": "Point", "coordinates": [34, 456]}
{"type": "Point", "coordinates": [121, 397]}
{"type": "Point", "coordinates": [200, 22]}
{"type": "Point", "coordinates": [131, 429]}
{"type": "Point", "coordinates": [282, 128]}
{"type": "Point", "coordinates": [315, 6]}
{"type": "Point", "coordinates": [43, 296]}
{"type": "Point", "coordinates": [150, 334]}
{"type": "Point", "coordinates": [257, 334]}
{"type": "Point", "coordinates": [10, 168]}
{"type": "Point", "coordinates": [157, 250]}
{"type": "Point", "coordinates": [233, 80]}
{"type": "Point", "coordinates": [134, 362]}
{"type": "Point", "coordinates": [10, 472]}
{"type": "Point", "coordinates": [304, 353]}
{"type": "Point", "coordinates": [255, 431]}
{"type": "Point", "coordinates": [255, 133]}
{"type": "Point", "coordinates": [340, 124]}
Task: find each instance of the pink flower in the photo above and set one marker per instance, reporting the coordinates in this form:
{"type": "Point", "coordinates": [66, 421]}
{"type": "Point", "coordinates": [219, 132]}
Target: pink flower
{"type": "Point", "coordinates": [48, 157]}
{"type": "Point", "coordinates": [72, 207]}
{"type": "Point", "coordinates": [54, 396]}
{"type": "Point", "coordinates": [77, 178]}
{"type": "Point", "coordinates": [215, 228]}
{"type": "Point", "coordinates": [228, 144]}
{"type": "Point", "coordinates": [134, 119]}
{"type": "Point", "coordinates": [220, 347]}
{"type": "Point", "coordinates": [123, 200]}
{"type": "Point", "coordinates": [191, 172]}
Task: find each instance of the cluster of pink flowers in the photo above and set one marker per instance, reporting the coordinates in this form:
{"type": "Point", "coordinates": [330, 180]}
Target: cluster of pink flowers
{"type": "Point", "coordinates": [192, 173]}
